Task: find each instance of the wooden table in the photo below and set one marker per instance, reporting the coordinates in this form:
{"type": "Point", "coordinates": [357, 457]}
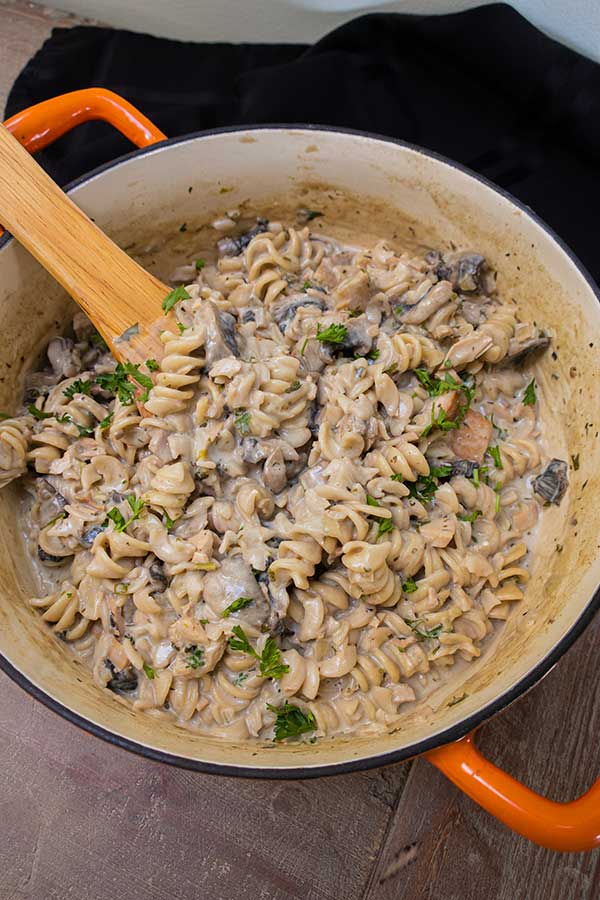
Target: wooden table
{"type": "Point", "coordinates": [81, 820]}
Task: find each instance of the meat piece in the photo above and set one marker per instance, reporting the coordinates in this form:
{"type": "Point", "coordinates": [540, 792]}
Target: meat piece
{"type": "Point", "coordinates": [553, 482]}
{"type": "Point", "coordinates": [220, 334]}
{"type": "Point", "coordinates": [234, 579]}
{"type": "Point", "coordinates": [434, 299]}
{"type": "Point", "coordinates": [520, 351]}
{"type": "Point", "coordinates": [472, 438]}
{"type": "Point", "coordinates": [233, 246]}
{"type": "Point", "coordinates": [285, 311]}
{"type": "Point", "coordinates": [465, 271]}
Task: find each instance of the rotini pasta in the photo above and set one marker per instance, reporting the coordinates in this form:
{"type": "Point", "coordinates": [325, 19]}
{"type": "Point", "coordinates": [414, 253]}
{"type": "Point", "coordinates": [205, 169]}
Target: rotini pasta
{"type": "Point", "coordinates": [316, 503]}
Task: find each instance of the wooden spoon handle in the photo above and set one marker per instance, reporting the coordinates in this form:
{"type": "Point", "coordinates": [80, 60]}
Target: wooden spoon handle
{"type": "Point", "coordinates": [113, 290]}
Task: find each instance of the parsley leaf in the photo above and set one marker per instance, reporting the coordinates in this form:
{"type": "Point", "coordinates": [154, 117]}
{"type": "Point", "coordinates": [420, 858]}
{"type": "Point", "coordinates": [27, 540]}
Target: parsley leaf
{"type": "Point", "coordinates": [333, 334]}
{"type": "Point", "coordinates": [195, 657]}
{"type": "Point", "coordinates": [106, 421]}
{"type": "Point", "coordinates": [271, 665]}
{"type": "Point", "coordinates": [423, 633]}
{"type": "Point", "coordinates": [409, 586]}
{"type": "Point", "coordinates": [78, 387]}
{"type": "Point", "coordinates": [495, 454]}
{"type": "Point", "coordinates": [152, 365]}
{"type": "Point", "coordinates": [238, 604]}
{"type": "Point", "coordinates": [168, 522]}
{"type": "Point", "coordinates": [119, 383]}
{"type": "Point", "coordinates": [306, 286]}
{"type": "Point", "coordinates": [179, 293]}
{"type": "Point", "coordinates": [242, 421]}
{"type": "Point", "coordinates": [38, 413]}
{"type": "Point", "coordinates": [270, 658]}
{"type": "Point", "coordinates": [435, 387]}
{"type": "Point", "coordinates": [529, 397]}
{"type": "Point", "coordinates": [471, 517]}
{"type": "Point", "coordinates": [117, 517]}
{"type": "Point", "coordinates": [199, 264]}
{"type": "Point", "coordinates": [397, 477]}
{"type": "Point", "coordinates": [371, 501]}
{"type": "Point", "coordinates": [181, 327]}
{"type": "Point", "coordinates": [149, 671]}
{"type": "Point", "coordinates": [293, 387]}
{"type": "Point", "coordinates": [291, 721]}
{"type": "Point", "coordinates": [385, 525]}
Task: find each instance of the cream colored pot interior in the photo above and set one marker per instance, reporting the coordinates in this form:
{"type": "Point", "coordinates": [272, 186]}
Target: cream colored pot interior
{"type": "Point", "coordinates": [380, 190]}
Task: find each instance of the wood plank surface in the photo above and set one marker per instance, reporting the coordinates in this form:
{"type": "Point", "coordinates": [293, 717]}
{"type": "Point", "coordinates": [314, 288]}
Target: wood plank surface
{"type": "Point", "coordinates": [81, 820]}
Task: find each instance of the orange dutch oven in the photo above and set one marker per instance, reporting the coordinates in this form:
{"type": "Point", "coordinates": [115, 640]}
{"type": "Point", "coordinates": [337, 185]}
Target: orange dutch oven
{"type": "Point", "coordinates": [141, 200]}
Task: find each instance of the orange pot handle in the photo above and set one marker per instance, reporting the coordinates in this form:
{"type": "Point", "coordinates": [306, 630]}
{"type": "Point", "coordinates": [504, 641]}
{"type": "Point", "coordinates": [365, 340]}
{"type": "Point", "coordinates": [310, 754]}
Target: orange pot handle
{"type": "Point", "coordinates": [571, 826]}
{"type": "Point", "coordinates": [39, 125]}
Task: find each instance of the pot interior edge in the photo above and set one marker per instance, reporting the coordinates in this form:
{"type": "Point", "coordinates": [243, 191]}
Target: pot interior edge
{"type": "Point", "coordinates": [420, 199]}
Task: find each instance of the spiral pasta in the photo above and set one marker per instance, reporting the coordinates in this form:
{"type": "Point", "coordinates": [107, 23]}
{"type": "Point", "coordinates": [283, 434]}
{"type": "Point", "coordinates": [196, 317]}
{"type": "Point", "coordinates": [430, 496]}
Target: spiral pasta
{"type": "Point", "coordinates": [316, 502]}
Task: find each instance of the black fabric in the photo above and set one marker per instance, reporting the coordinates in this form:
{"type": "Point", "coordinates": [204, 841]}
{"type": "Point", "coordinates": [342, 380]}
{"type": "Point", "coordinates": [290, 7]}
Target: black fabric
{"type": "Point", "coordinates": [483, 87]}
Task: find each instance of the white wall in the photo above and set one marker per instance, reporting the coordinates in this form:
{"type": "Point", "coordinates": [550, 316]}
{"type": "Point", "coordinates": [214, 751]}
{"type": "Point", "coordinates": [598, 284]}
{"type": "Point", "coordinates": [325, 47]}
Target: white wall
{"type": "Point", "coordinates": [575, 22]}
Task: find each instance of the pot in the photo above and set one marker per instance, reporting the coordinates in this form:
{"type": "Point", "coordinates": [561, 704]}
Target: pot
{"type": "Point", "coordinates": [378, 186]}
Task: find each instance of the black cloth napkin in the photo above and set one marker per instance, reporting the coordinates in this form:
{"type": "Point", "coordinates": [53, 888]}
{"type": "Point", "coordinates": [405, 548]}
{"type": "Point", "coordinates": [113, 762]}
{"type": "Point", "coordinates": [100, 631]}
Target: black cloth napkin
{"type": "Point", "coordinates": [483, 87]}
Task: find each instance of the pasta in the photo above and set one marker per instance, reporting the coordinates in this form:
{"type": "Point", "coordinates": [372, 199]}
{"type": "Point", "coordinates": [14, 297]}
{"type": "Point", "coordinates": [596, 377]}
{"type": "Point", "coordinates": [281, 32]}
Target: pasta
{"type": "Point", "coordinates": [315, 504]}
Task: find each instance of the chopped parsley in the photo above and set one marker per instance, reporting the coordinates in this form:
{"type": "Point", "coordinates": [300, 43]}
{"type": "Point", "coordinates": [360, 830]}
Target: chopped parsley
{"type": "Point", "coordinates": [194, 656]}
{"type": "Point", "coordinates": [152, 365]}
{"type": "Point", "coordinates": [495, 454]}
{"type": "Point", "coordinates": [333, 334]}
{"type": "Point", "coordinates": [440, 421]}
{"type": "Point", "coordinates": [78, 387]}
{"type": "Point", "coordinates": [384, 526]}
{"type": "Point", "coordinates": [397, 477]}
{"type": "Point", "coordinates": [181, 327]}
{"type": "Point", "coordinates": [354, 313]}
{"type": "Point", "coordinates": [242, 421]}
{"type": "Point", "coordinates": [291, 721]}
{"type": "Point", "coordinates": [373, 355]}
{"type": "Point", "coordinates": [38, 413]}
{"type": "Point", "coordinates": [306, 286]}
{"type": "Point", "coordinates": [390, 369]}
{"type": "Point", "coordinates": [270, 658]}
{"type": "Point", "coordinates": [423, 633]}
{"type": "Point", "coordinates": [199, 264]}
{"type": "Point", "coordinates": [409, 586]}
{"type": "Point", "coordinates": [293, 387]}
{"type": "Point", "coordinates": [371, 501]}
{"type": "Point", "coordinates": [120, 522]}
{"type": "Point", "coordinates": [183, 227]}
{"type": "Point", "coordinates": [529, 397]}
{"type": "Point", "coordinates": [179, 293]}
{"type": "Point", "coordinates": [497, 503]}
{"type": "Point", "coordinates": [238, 604]}
{"type": "Point", "coordinates": [471, 517]}
{"type": "Point", "coordinates": [168, 522]}
{"type": "Point", "coordinates": [435, 387]}
{"type": "Point", "coordinates": [149, 671]}
{"type": "Point", "coordinates": [575, 461]}
{"type": "Point", "coordinates": [106, 421]}
{"type": "Point", "coordinates": [303, 347]}
{"type": "Point", "coordinates": [119, 383]}
{"type": "Point", "coordinates": [239, 679]}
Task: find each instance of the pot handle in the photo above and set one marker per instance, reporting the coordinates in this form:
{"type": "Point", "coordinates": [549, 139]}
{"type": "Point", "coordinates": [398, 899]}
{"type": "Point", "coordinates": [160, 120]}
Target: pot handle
{"type": "Point", "coordinates": [573, 826]}
{"type": "Point", "coordinates": [39, 125]}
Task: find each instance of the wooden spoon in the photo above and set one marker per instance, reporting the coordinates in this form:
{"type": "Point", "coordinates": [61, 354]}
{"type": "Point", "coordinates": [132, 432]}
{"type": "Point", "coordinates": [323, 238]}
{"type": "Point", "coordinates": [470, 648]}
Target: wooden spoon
{"type": "Point", "coordinates": [113, 290]}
